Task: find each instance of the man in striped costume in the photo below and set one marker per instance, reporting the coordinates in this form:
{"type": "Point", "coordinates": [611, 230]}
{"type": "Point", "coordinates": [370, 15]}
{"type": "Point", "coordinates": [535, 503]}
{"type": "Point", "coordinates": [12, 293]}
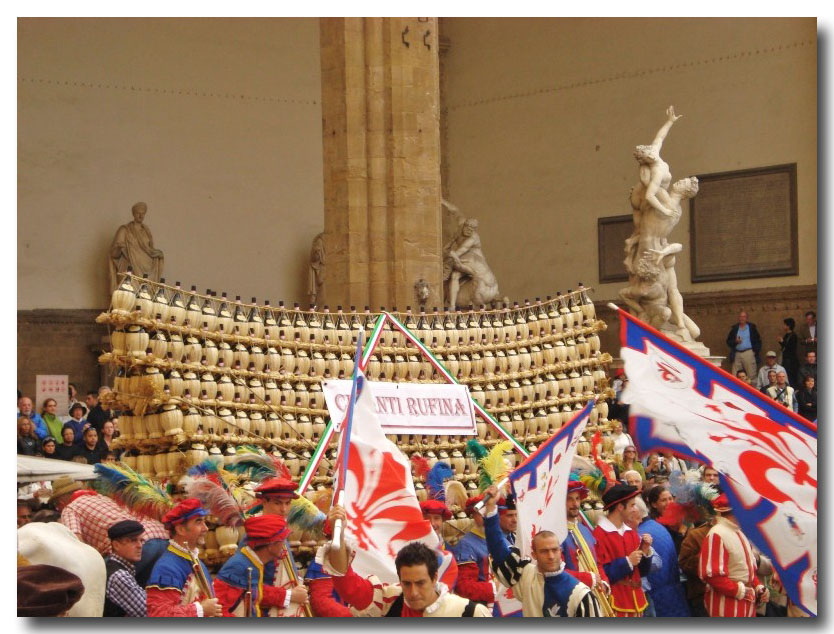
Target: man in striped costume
{"type": "Point", "coordinates": [540, 583]}
{"type": "Point", "coordinates": [728, 568]}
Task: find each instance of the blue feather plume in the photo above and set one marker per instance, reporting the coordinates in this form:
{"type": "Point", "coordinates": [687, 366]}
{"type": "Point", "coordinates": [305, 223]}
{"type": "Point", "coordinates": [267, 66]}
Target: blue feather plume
{"type": "Point", "coordinates": [438, 474]}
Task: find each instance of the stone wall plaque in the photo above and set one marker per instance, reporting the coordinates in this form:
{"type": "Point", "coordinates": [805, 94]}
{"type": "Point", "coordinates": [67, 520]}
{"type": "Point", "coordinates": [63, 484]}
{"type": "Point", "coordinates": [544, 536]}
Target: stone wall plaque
{"type": "Point", "coordinates": [612, 233]}
{"type": "Point", "coordinates": [744, 224]}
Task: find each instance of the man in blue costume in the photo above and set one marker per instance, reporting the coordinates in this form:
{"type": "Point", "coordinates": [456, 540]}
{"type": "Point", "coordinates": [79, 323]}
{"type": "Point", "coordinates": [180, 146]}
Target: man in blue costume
{"type": "Point", "coordinates": [541, 582]}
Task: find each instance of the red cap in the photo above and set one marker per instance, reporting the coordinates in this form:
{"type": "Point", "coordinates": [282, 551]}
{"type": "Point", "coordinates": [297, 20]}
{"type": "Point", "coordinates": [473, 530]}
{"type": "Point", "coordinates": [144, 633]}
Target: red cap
{"type": "Point", "coordinates": [471, 502]}
{"type": "Point", "coordinates": [265, 529]}
{"type": "Point", "coordinates": [184, 511]}
{"type": "Point", "coordinates": [578, 486]}
{"type": "Point", "coordinates": [435, 507]}
{"type": "Point", "coordinates": [277, 488]}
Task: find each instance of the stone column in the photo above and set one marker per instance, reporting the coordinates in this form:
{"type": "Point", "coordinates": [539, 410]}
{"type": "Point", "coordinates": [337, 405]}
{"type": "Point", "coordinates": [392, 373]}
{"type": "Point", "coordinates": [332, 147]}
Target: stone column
{"type": "Point", "coordinates": [381, 136]}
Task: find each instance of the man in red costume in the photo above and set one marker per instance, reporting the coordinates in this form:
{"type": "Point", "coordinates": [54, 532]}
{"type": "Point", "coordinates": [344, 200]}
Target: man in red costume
{"type": "Point", "coordinates": [174, 588]}
{"type": "Point", "coordinates": [436, 512]}
{"type": "Point", "coordinates": [728, 567]}
{"type": "Point", "coordinates": [474, 572]}
{"type": "Point", "coordinates": [252, 568]}
{"type": "Point", "coordinates": [276, 496]}
{"type": "Point", "coordinates": [624, 556]}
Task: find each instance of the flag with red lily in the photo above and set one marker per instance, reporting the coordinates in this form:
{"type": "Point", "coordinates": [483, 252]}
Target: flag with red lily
{"type": "Point", "coordinates": [383, 513]}
{"type": "Point", "coordinates": [766, 455]}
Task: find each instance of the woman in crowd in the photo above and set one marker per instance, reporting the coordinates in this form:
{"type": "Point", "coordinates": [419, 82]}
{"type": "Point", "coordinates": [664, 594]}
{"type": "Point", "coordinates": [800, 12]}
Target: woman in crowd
{"type": "Point", "coordinates": [67, 450]}
{"type": "Point", "coordinates": [806, 398]}
{"type": "Point", "coordinates": [628, 462]}
{"type": "Point", "coordinates": [620, 438]}
{"type": "Point", "coordinates": [54, 424]}
{"type": "Point", "coordinates": [73, 396]}
{"type": "Point", "coordinates": [656, 471]}
{"type": "Point", "coordinates": [28, 443]}
{"type": "Point", "coordinates": [49, 448]}
{"type": "Point", "coordinates": [659, 498]}
{"type": "Point", "coordinates": [90, 449]}
{"type": "Point", "coordinates": [77, 422]}
{"type": "Point", "coordinates": [108, 429]}
{"type": "Point", "coordinates": [788, 343]}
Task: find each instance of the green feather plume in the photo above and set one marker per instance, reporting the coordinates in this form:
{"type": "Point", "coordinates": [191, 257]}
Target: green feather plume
{"type": "Point", "coordinates": [492, 466]}
{"type": "Point", "coordinates": [132, 490]}
{"type": "Point", "coordinates": [304, 515]}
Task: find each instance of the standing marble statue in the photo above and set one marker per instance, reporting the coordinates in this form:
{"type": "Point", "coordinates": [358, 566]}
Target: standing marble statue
{"type": "Point", "coordinates": [652, 293]}
{"type": "Point", "coordinates": [316, 269]}
{"type": "Point", "coordinates": [468, 276]}
{"type": "Point", "coordinates": [133, 247]}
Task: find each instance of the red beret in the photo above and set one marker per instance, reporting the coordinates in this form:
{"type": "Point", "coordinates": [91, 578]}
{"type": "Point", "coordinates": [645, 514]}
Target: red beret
{"type": "Point", "coordinates": [277, 488]}
{"type": "Point", "coordinates": [578, 486]}
{"type": "Point", "coordinates": [435, 507]}
{"type": "Point", "coordinates": [185, 510]}
{"type": "Point", "coordinates": [471, 502]}
{"type": "Point", "coordinates": [265, 529]}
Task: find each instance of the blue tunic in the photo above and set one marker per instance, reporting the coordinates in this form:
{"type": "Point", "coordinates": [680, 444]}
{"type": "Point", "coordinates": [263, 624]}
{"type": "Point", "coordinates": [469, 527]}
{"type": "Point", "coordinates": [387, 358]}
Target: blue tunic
{"type": "Point", "coordinates": [171, 571]}
{"type": "Point", "coordinates": [569, 546]}
{"type": "Point", "coordinates": [473, 548]}
{"type": "Point", "coordinates": [666, 592]}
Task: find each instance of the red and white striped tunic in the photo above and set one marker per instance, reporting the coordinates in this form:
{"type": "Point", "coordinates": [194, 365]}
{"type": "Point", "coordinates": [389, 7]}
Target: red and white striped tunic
{"type": "Point", "coordinates": [728, 568]}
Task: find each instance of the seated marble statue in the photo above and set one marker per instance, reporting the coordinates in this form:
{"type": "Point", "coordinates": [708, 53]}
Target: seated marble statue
{"type": "Point", "coordinates": [133, 247]}
{"type": "Point", "coordinates": [470, 280]}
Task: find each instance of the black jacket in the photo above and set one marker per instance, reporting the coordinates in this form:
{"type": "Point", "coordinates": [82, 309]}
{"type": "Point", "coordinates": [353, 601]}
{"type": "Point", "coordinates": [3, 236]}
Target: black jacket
{"type": "Point", "coordinates": [755, 341]}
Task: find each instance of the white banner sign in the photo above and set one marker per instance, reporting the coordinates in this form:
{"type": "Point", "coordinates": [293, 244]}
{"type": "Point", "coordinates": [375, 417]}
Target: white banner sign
{"type": "Point", "coordinates": [410, 408]}
{"type": "Point", "coordinates": [51, 386]}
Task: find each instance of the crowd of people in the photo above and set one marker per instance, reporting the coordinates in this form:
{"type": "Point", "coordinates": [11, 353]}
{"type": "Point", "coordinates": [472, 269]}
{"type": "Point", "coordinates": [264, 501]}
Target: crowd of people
{"type": "Point", "coordinates": [83, 434]}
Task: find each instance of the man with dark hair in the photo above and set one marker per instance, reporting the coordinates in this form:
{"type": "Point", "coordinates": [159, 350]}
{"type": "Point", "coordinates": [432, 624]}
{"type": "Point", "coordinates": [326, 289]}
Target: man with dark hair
{"type": "Point", "coordinates": [97, 415]}
{"type": "Point", "coordinates": [808, 333]}
{"type": "Point", "coordinates": [24, 512]}
{"type": "Point", "coordinates": [745, 344]}
{"type": "Point", "coordinates": [625, 557]}
{"type": "Point", "coordinates": [808, 367]}
{"type": "Point", "coordinates": [89, 449]}
{"type": "Point", "coordinates": [418, 593]}
{"type": "Point", "coordinates": [123, 596]}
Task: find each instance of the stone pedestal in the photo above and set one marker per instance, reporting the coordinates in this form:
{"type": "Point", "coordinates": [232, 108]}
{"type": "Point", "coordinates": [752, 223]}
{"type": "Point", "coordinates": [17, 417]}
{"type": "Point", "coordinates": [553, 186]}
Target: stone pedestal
{"type": "Point", "coordinates": [381, 112]}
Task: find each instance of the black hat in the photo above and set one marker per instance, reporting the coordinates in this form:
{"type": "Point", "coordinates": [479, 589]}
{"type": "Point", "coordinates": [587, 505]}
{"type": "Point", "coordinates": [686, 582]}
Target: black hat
{"type": "Point", "coordinates": [125, 528]}
{"type": "Point", "coordinates": [77, 404]}
{"type": "Point", "coordinates": [618, 493]}
{"type": "Point", "coordinates": [44, 590]}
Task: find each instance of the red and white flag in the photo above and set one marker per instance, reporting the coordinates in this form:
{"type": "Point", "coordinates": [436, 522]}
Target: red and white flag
{"type": "Point", "coordinates": [383, 513]}
{"type": "Point", "coordinates": [540, 483]}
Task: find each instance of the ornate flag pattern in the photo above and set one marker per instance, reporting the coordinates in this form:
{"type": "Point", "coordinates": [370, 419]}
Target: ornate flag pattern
{"type": "Point", "coordinates": [766, 454]}
{"type": "Point", "coordinates": [540, 483]}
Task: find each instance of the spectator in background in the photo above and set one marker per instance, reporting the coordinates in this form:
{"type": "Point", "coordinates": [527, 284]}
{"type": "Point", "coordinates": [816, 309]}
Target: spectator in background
{"type": "Point", "coordinates": [710, 475]}
{"type": "Point", "coordinates": [28, 444]}
{"type": "Point", "coordinates": [808, 333]}
{"type": "Point", "coordinates": [656, 471]}
{"type": "Point", "coordinates": [24, 512]}
{"type": "Point", "coordinates": [789, 343]}
{"type": "Point", "coordinates": [769, 365]}
{"type": "Point", "coordinates": [628, 462]}
{"type": "Point", "coordinates": [77, 422]}
{"type": "Point", "coordinates": [24, 408]}
{"type": "Point", "coordinates": [97, 415]}
{"type": "Point", "coordinates": [673, 463]}
{"type": "Point", "coordinates": [745, 344]}
{"type": "Point", "coordinates": [806, 399]}
{"type": "Point", "coordinates": [53, 423]}
{"type": "Point", "coordinates": [633, 479]}
{"type": "Point", "coordinates": [741, 375]}
{"type": "Point", "coordinates": [73, 396]}
{"type": "Point", "coordinates": [809, 368]}
{"type": "Point", "coordinates": [782, 392]}
{"type": "Point", "coordinates": [771, 382]}
{"type": "Point", "coordinates": [90, 449]}
{"type": "Point", "coordinates": [67, 450]}
{"type": "Point", "coordinates": [49, 448]}
{"type": "Point", "coordinates": [108, 429]}
{"type": "Point", "coordinates": [620, 438]}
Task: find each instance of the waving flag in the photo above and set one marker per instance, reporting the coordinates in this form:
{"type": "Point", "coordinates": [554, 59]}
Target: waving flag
{"type": "Point", "coordinates": [540, 483]}
{"type": "Point", "coordinates": [383, 513]}
{"type": "Point", "coordinates": [766, 454]}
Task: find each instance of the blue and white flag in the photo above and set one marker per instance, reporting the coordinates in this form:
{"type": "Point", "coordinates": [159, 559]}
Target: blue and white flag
{"type": "Point", "coordinates": [765, 454]}
{"type": "Point", "coordinates": [540, 483]}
